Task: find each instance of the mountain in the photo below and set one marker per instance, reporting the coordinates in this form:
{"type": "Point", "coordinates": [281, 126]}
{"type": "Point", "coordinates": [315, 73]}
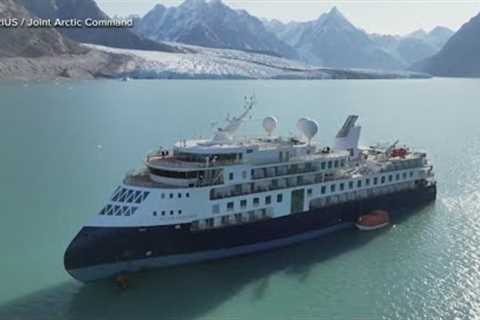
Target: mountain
{"type": "Point", "coordinates": [436, 38]}
{"type": "Point", "coordinates": [23, 42]}
{"type": "Point", "coordinates": [81, 9]}
{"type": "Point", "coordinates": [415, 46]}
{"type": "Point", "coordinates": [211, 24]}
{"type": "Point", "coordinates": [459, 57]}
{"type": "Point", "coordinates": [333, 41]}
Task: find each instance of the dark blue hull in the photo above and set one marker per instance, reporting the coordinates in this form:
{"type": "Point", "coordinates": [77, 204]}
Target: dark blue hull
{"type": "Point", "coordinates": [97, 253]}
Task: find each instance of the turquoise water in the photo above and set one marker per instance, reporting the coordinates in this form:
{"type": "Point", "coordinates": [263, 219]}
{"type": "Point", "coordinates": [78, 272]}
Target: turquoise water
{"type": "Point", "coordinates": [65, 146]}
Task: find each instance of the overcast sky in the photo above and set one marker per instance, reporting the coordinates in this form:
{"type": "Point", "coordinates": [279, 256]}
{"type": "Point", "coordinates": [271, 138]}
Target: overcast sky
{"type": "Point", "coordinates": [380, 16]}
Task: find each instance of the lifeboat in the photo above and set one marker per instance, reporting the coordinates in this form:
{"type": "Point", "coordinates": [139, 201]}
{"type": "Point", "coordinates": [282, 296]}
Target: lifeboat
{"type": "Point", "coordinates": [373, 220]}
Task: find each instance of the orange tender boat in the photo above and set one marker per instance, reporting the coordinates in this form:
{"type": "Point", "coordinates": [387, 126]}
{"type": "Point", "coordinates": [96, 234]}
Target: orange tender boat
{"type": "Point", "coordinates": [373, 220]}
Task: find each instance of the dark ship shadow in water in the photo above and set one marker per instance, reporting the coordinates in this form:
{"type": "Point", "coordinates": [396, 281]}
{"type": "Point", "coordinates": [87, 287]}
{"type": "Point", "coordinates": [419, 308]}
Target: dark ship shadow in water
{"type": "Point", "coordinates": [186, 292]}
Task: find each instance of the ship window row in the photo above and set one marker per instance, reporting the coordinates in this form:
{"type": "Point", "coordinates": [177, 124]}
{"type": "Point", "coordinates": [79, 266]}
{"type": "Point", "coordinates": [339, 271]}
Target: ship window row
{"type": "Point", "coordinates": [268, 172]}
{"type": "Point", "coordinates": [232, 219]}
{"type": "Point", "coordinates": [175, 195]}
{"type": "Point", "coordinates": [130, 196]}
{"type": "Point", "coordinates": [167, 213]}
{"type": "Point", "coordinates": [243, 203]}
{"type": "Point", "coordinates": [115, 210]}
{"type": "Point", "coordinates": [342, 186]}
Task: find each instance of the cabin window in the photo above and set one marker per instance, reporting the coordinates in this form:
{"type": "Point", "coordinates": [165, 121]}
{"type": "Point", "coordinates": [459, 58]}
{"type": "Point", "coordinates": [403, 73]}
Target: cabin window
{"type": "Point", "coordinates": [155, 213]}
{"type": "Point", "coordinates": [179, 211]}
{"type": "Point", "coordinates": [256, 201]}
{"type": "Point", "coordinates": [134, 209]}
{"type": "Point", "coordinates": [404, 175]}
{"type": "Point", "coordinates": [329, 164]}
{"type": "Point", "coordinates": [163, 195]}
{"type": "Point", "coordinates": [382, 180]}
{"type": "Point", "coordinates": [375, 181]}
{"type": "Point", "coordinates": [342, 186]}
{"type": "Point", "coordinates": [249, 150]}
{"type": "Point", "coordinates": [244, 174]}
{"type": "Point", "coordinates": [230, 206]}
{"type": "Point", "coordinates": [243, 203]}
{"type": "Point", "coordinates": [251, 215]}
{"type": "Point", "coordinates": [411, 174]}
{"type": "Point", "coordinates": [179, 195]}
{"type": "Point", "coordinates": [336, 164]}
{"type": "Point", "coordinates": [359, 183]}
{"type": "Point", "coordinates": [279, 197]}
{"type": "Point", "coordinates": [163, 213]}
{"type": "Point", "coordinates": [309, 192]}
{"type": "Point", "coordinates": [397, 177]}
{"type": "Point", "coordinates": [238, 217]}
{"type": "Point", "coordinates": [171, 212]}
{"type": "Point", "coordinates": [230, 176]}
{"type": "Point", "coordinates": [323, 165]}
{"type": "Point", "coordinates": [390, 178]}
{"type": "Point", "coordinates": [187, 195]}
{"type": "Point", "coordinates": [171, 195]}
{"type": "Point", "coordinates": [215, 208]}
{"type": "Point", "coordinates": [342, 163]}
{"type": "Point", "coordinates": [350, 184]}
{"type": "Point", "coordinates": [268, 199]}
{"type": "Point", "coordinates": [332, 188]}
{"type": "Point", "coordinates": [367, 182]}
{"type": "Point", "coordinates": [323, 189]}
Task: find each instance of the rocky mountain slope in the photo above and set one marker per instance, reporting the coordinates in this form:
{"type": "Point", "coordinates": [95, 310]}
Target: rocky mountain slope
{"type": "Point", "coordinates": [460, 55]}
{"type": "Point", "coordinates": [81, 9]}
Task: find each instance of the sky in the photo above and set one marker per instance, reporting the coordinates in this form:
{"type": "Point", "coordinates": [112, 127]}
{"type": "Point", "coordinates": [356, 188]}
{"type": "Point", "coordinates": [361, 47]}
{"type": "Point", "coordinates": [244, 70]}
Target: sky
{"type": "Point", "coordinates": [374, 16]}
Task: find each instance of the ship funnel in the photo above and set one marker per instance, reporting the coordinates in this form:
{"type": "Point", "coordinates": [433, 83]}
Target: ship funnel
{"type": "Point", "coordinates": [348, 136]}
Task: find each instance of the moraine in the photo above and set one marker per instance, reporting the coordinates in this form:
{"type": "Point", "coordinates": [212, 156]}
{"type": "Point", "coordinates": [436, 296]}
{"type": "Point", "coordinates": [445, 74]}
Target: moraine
{"type": "Point", "coordinates": [231, 195]}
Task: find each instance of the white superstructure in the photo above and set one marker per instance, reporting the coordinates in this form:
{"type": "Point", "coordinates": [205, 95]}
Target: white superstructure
{"type": "Point", "coordinates": [225, 180]}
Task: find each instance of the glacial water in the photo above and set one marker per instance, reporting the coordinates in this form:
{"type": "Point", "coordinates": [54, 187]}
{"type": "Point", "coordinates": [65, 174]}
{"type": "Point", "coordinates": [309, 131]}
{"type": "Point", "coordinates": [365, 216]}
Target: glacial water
{"type": "Point", "coordinates": [64, 147]}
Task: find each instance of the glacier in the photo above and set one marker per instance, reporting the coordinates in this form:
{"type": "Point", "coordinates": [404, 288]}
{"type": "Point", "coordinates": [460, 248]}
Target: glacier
{"type": "Point", "coordinates": [194, 62]}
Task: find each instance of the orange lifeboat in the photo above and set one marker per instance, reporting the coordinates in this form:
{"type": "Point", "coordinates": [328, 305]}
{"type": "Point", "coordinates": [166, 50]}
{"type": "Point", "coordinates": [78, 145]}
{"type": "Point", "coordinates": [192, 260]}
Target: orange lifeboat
{"type": "Point", "coordinates": [373, 220]}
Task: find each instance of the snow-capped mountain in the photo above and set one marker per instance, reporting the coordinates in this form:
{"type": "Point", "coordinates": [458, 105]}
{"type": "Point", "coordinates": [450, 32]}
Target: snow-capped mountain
{"type": "Point", "coordinates": [333, 41]}
{"type": "Point", "coordinates": [211, 24]}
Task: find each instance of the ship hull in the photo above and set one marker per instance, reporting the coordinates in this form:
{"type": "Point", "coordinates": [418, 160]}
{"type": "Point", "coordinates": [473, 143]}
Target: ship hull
{"type": "Point", "coordinates": [99, 253]}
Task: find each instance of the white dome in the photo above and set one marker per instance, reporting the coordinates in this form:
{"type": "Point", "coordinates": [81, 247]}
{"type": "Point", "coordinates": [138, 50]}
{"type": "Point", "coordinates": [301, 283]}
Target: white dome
{"type": "Point", "coordinates": [269, 124]}
{"type": "Point", "coordinates": [309, 128]}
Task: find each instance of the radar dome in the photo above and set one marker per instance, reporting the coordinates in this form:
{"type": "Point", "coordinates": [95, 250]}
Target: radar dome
{"type": "Point", "coordinates": [269, 124]}
{"type": "Point", "coordinates": [309, 128]}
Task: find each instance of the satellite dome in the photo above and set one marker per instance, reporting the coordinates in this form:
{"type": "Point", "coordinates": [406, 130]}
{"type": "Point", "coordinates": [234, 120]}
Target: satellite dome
{"type": "Point", "coordinates": [269, 124]}
{"type": "Point", "coordinates": [308, 127]}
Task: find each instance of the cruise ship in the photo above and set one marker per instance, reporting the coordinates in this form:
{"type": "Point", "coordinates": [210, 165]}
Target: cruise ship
{"type": "Point", "coordinates": [231, 195]}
